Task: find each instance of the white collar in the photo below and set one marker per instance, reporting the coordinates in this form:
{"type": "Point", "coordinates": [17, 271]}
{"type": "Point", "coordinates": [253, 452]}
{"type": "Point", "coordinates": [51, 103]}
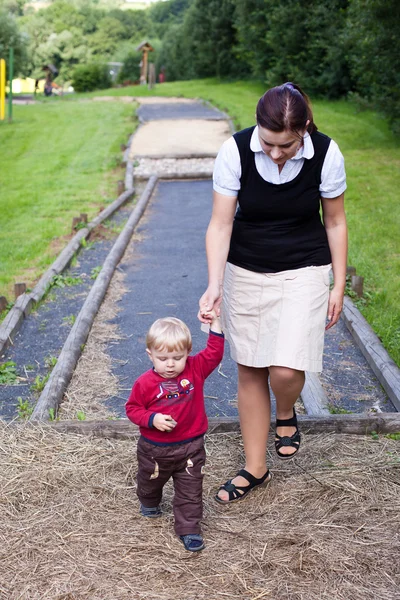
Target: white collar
{"type": "Point", "coordinates": [306, 151]}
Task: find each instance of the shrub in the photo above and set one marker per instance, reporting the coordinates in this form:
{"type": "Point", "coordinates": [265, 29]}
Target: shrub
{"type": "Point", "coordinates": [130, 70]}
{"type": "Point", "coordinates": [87, 78]}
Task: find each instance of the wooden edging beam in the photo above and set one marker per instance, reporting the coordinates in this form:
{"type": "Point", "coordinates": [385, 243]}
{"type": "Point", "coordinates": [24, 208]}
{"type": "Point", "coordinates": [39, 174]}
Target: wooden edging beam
{"type": "Point", "coordinates": [60, 377]}
{"type": "Point", "coordinates": [375, 354]}
{"type": "Point", "coordinates": [313, 396]}
{"type": "Point", "coordinates": [123, 429]}
{"type": "Point", "coordinates": [25, 302]}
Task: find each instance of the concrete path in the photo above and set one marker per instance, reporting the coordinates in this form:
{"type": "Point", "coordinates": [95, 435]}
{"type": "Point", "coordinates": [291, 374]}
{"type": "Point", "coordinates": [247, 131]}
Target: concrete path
{"type": "Point", "coordinates": [179, 129]}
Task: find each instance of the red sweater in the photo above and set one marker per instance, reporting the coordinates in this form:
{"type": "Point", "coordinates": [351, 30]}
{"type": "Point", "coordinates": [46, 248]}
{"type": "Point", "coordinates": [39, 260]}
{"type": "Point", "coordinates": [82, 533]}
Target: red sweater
{"type": "Point", "coordinates": [182, 397]}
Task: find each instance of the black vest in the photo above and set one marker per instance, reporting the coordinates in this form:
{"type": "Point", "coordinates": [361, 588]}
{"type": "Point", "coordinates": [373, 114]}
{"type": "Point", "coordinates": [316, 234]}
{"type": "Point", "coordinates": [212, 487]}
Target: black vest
{"type": "Point", "coordinates": [278, 227]}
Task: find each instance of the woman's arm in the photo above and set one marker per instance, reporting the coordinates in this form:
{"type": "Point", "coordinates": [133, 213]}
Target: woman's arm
{"type": "Point", "coordinates": [336, 230]}
{"type": "Point", "coordinates": [218, 238]}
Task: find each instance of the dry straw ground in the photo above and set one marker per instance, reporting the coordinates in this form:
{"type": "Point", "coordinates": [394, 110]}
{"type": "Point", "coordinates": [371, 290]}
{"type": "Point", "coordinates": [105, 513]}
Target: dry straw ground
{"type": "Point", "coordinates": [327, 527]}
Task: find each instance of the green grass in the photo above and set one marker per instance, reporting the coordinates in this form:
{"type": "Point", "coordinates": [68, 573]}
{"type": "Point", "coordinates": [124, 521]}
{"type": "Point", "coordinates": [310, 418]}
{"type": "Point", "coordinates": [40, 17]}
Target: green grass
{"type": "Point", "coordinates": [57, 159]}
{"type": "Point", "coordinates": [372, 163]}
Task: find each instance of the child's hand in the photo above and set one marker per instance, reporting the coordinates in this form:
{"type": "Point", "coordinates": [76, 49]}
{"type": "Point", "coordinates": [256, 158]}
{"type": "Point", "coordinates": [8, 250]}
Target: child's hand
{"type": "Point", "coordinates": [213, 319]}
{"type": "Point", "coordinates": [164, 422]}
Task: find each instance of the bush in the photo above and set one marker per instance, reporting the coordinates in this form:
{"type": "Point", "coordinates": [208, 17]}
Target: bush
{"type": "Point", "coordinates": [130, 70]}
{"type": "Point", "coordinates": [87, 78]}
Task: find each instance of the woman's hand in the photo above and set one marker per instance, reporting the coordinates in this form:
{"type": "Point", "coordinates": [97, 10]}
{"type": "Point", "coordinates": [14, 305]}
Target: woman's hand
{"type": "Point", "coordinates": [210, 301]}
{"type": "Point", "coordinates": [335, 306]}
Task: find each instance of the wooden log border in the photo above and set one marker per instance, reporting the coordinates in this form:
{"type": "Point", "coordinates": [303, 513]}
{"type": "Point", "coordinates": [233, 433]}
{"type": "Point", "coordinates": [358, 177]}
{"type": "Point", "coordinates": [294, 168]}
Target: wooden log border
{"type": "Point", "coordinates": [375, 354]}
{"type": "Point", "coordinates": [123, 429]}
{"type": "Point", "coordinates": [313, 396]}
{"type": "Point", "coordinates": [60, 377]}
{"type": "Point", "coordinates": [25, 302]}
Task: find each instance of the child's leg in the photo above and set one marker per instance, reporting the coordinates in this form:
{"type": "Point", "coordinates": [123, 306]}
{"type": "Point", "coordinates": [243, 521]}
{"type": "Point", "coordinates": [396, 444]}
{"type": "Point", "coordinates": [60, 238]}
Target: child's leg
{"type": "Point", "coordinates": [154, 470]}
{"type": "Point", "coordinates": [188, 484]}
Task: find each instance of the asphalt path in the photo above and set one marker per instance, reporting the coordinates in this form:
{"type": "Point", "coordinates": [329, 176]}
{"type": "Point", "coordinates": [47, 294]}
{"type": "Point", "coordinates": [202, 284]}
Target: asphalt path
{"type": "Point", "coordinates": [176, 110]}
{"type": "Point", "coordinates": [166, 277]}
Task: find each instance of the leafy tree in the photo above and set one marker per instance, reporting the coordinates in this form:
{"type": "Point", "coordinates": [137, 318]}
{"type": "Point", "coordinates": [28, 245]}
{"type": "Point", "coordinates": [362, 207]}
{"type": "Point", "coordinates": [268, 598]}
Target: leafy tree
{"type": "Point", "coordinates": [11, 37]}
{"type": "Point", "coordinates": [14, 7]}
{"type": "Point", "coordinates": [137, 23]}
{"type": "Point", "coordinates": [104, 40]}
{"type": "Point", "coordinates": [373, 33]}
{"type": "Point", "coordinates": [252, 24]}
{"type": "Point", "coordinates": [303, 39]}
{"type": "Point", "coordinates": [205, 42]}
{"type": "Point", "coordinates": [166, 14]}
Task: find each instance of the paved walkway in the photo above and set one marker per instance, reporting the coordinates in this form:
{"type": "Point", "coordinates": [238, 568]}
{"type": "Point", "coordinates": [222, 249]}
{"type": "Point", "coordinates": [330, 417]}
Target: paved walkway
{"type": "Point", "coordinates": [179, 129]}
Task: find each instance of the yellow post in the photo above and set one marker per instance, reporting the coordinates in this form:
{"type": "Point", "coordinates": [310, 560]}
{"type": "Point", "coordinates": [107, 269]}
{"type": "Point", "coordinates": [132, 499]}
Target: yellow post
{"type": "Point", "coordinates": [2, 89]}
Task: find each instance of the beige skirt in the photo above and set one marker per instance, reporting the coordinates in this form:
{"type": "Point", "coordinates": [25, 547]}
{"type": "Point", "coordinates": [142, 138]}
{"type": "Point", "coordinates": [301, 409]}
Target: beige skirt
{"type": "Point", "coordinates": [276, 318]}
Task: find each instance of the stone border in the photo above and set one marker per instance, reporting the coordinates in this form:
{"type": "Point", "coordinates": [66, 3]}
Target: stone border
{"type": "Point", "coordinates": [60, 377]}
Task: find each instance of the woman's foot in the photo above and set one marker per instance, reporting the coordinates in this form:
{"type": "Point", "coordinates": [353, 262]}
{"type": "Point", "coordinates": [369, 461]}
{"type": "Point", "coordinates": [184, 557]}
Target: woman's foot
{"type": "Point", "coordinates": [287, 439]}
{"type": "Point", "coordinates": [237, 488]}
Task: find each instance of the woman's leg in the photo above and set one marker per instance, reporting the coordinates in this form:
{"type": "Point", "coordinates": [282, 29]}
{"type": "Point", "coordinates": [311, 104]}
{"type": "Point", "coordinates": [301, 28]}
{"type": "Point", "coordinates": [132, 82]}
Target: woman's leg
{"type": "Point", "coordinates": [286, 385]}
{"type": "Point", "coordinates": [255, 413]}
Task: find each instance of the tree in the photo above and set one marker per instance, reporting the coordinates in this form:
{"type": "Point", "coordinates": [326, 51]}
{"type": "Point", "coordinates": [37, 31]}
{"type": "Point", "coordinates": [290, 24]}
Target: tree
{"type": "Point", "coordinates": [104, 40]}
{"type": "Point", "coordinates": [373, 33]}
{"type": "Point", "coordinates": [11, 37]}
{"type": "Point", "coordinates": [251, 20]}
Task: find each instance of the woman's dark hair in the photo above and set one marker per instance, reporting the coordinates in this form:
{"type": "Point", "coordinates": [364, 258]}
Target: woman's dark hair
{"type": "Point", "coordinates": [285, 107]}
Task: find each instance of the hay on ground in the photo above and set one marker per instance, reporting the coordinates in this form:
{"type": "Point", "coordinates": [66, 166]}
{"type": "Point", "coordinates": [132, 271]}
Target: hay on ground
{"type": "Point", "coordinates": [327, 527]}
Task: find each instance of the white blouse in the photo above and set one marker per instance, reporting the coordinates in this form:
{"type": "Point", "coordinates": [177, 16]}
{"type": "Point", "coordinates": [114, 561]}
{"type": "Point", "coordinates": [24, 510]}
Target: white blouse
{"type": "Point", "coordinates": [227, 168]}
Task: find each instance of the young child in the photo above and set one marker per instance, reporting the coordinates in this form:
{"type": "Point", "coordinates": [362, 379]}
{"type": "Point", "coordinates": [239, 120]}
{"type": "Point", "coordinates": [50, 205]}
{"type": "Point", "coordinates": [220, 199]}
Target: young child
{"type": "Point", "coordinates": [167, 402]}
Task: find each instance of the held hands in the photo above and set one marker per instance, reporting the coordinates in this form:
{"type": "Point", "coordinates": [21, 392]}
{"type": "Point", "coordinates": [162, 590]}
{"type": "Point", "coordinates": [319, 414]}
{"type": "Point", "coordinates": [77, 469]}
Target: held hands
{"type": "Point", "coordinates": [334, 307]}
{"type": "Point", "coordinates": [164, 422]}
{"type": "Point", "coordinates": [210, 304]}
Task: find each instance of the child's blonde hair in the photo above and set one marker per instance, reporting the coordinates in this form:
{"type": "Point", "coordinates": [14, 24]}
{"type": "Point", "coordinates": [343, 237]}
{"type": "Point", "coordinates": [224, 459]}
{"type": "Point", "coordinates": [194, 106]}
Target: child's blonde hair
{"type": "Point", "coordinates": [169, 334]}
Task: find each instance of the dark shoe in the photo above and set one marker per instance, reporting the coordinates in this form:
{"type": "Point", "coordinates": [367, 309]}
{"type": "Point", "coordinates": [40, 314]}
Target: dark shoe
{"type": "Point", "coordinates": [292, 441]}
{"type": "Point", "coordinates": [192, 542]}
{"type": "Point", "coordinates": [238, 492]}
{"type": "Point", "coordinates": [152, 512]}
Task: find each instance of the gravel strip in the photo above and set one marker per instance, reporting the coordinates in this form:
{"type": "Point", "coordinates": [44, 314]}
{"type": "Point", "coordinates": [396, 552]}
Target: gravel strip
{"type": "Point", "coordinates": [144, 167]}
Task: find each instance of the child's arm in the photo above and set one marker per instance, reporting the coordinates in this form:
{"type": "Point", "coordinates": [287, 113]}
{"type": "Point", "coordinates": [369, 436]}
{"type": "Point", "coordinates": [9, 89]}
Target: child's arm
{"type": "Point", "coordinates": [215, 324]}
{"type": "Point", "coordinates": [208, 359]}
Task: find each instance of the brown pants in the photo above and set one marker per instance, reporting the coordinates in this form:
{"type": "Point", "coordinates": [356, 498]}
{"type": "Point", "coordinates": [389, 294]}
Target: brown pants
{"type": "Point", "coordinates": [185, 464]}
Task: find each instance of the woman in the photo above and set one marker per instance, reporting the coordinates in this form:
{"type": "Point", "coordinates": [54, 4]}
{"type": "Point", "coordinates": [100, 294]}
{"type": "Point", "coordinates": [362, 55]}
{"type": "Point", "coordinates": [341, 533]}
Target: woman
{"type": "Point", "coordinates": [269, 256]}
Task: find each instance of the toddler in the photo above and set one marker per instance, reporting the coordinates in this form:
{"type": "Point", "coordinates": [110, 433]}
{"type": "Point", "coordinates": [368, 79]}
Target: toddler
{"type": "Point", "coordinates": [167, 402]}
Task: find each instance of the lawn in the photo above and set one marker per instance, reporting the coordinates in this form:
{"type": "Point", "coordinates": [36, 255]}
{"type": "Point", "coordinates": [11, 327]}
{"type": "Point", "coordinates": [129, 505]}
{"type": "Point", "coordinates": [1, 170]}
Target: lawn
{"type": "Point", "coordinates": [372, 162]}
{"type": "Point", "coordinates": [57, 159]}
